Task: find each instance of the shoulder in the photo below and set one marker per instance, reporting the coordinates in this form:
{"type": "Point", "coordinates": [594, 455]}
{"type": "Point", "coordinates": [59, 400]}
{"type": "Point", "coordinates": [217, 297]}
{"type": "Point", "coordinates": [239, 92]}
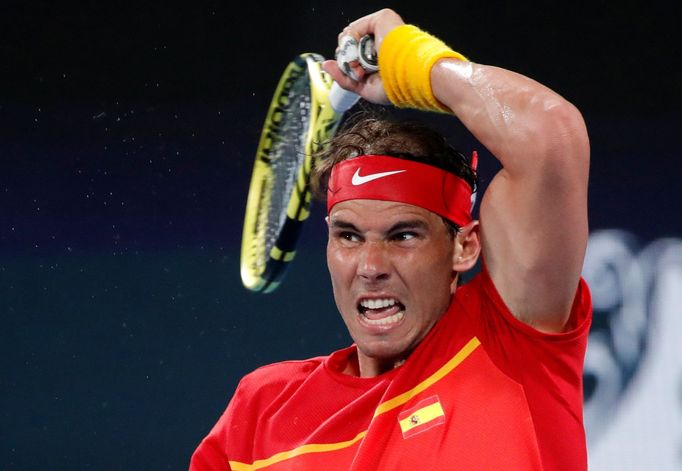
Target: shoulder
{"type": "Point", "coordinates": [480, 297]}
{"type": "Point", "coordinates": [275, 378]}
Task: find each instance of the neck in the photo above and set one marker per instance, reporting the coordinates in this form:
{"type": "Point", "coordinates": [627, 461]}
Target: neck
{"type": "Point", "coordinates": [368, 367]}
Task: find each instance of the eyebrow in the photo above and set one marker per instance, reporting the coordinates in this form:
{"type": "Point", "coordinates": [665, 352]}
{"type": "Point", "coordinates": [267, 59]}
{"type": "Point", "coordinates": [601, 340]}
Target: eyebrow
{"type": "Point", "coordinates": [410, 224]}
{"type": "Point", "coordinates": [399, 226]}
{"type": "Point", "coordinates": [341, 224]}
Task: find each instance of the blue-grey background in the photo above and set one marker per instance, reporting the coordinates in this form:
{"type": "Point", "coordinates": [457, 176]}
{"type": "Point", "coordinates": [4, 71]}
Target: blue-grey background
{"type": "Point", "coordinates": [127, 135]}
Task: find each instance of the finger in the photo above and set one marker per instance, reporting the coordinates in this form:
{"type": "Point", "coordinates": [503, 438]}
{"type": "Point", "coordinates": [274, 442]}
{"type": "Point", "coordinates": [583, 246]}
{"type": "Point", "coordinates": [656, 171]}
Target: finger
{"type": "Point", "coordinates": [347, 55]}
{"type": "Point", "coordinates": [377, 24]}
{"type": "Point", "coordinates": [361, 27]}
{"type": "Point", "coordinates": [332, 68]}
{"type": "Point", "coordinates": [348, 31]}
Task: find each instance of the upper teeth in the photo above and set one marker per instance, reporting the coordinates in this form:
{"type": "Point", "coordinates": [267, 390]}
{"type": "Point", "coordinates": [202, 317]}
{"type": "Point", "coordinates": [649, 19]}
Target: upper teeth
{"type": "Point", "coordinates": [377, 303]}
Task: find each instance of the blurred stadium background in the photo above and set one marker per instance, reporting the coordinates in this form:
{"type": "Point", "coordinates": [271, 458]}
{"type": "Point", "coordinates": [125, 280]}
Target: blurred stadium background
{"type": "Point", "coordinates": [127, 136]}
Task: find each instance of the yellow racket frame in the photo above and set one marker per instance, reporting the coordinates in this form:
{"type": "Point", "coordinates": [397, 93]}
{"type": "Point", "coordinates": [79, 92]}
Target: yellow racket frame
{"type": "Point", "coordinates": [260, 271]}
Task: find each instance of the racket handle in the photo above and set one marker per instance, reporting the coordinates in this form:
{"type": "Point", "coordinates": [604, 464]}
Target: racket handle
{"type": "Point", "coordinates": [341, 99]}
{"type": "Point", "coordinates": [350, 50]}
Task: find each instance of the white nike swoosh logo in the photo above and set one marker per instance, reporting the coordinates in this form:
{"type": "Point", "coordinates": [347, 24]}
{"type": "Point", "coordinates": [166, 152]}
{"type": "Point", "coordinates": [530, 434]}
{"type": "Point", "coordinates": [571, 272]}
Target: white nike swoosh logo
{"type": "Point", "coordinates": [360, 180]}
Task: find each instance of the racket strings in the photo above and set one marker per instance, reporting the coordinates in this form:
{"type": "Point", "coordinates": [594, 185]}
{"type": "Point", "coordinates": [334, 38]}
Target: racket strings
{"type": "Point", "coordinates": [287, 157]}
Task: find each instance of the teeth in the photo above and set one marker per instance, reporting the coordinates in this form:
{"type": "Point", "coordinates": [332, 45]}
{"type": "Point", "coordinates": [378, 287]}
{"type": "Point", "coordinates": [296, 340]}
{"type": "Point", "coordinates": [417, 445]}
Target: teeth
{"type": "Point", "coordinates": [386, 320]}
{"type": "Point", "coordinates": [377, 303]}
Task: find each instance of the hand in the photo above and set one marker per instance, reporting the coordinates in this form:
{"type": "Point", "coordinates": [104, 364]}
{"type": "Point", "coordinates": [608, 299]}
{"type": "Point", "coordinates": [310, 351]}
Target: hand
{"type": "Point", "coordinates": [368, 86]}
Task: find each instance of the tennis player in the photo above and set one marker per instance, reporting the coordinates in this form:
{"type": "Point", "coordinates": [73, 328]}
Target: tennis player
{"type": "Point", "coordinates": [485, 375]}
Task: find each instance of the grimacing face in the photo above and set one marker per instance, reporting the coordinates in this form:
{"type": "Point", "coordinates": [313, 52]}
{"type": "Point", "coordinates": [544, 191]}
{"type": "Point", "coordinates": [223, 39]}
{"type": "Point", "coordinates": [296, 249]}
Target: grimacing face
{"type": "Point", "coordinates": [391, 267]}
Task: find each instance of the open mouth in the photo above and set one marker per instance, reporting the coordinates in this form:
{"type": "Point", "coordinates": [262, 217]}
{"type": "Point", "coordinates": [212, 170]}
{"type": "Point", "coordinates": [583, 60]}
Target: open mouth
{"type": "Point", "coordinates": [381, 311]}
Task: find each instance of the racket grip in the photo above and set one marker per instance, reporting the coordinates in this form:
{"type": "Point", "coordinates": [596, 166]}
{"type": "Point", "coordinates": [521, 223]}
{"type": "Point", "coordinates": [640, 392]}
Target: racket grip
{"type": "Point", "coordinates": [351, 50]}
{"type": "Point", "coordinates": [340, 99]}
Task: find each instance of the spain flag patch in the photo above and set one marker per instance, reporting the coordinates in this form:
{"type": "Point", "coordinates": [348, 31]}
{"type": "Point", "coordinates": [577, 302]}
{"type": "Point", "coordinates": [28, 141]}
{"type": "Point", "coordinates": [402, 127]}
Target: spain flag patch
{"type": "Point", "coordinates": [426, 414]}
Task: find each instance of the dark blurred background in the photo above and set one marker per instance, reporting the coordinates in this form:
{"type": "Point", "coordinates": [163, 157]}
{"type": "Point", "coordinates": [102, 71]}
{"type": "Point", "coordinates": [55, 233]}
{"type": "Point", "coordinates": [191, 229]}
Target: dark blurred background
{"type": "Point", "coordinates": [127, 136]}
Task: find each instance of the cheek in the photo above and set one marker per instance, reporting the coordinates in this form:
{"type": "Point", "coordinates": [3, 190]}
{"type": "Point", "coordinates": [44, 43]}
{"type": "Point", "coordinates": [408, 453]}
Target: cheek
{"type": "Point", "coordinates": [340, 282]}
{"type": "Point", "coordinates": [431, 272]}
{"type": "Point", "coordinates": [339, 266]}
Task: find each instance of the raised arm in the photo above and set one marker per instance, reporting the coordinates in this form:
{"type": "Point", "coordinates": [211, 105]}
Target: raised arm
{"type": "Point", "coordinates": [534, 213]}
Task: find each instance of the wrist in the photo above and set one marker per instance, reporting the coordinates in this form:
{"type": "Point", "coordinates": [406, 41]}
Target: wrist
{"type": "Point", "coordinates": [406, 58]}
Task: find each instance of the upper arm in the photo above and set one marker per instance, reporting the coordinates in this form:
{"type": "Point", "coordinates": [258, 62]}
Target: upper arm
{"type": "Point", "coordinates": [534, 213]}
{"type": "Point", "coordinates": [534, 224]}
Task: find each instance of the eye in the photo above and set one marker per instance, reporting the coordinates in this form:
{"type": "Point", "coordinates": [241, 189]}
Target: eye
{"type": "Point", "coordinates": [404, 235]}
{"type": "Point", "coordinates": [349, 236]}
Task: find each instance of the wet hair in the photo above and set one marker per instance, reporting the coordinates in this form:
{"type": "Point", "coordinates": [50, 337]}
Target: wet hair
{"type": "Point", "coordinates": [372, 132]}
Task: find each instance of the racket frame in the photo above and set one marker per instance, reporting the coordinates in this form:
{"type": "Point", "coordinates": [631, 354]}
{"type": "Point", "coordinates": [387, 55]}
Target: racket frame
{"type": "Point", "coordinates": [260, 271]}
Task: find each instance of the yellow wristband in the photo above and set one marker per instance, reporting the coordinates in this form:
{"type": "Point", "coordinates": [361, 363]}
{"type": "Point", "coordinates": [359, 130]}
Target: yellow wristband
{"type": "Point", "coordinates": [406, 58]}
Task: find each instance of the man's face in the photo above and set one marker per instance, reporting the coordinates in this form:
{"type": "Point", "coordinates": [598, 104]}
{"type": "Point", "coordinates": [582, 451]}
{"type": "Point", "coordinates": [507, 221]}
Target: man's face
{"type": "Point", "coordinates": [391, 270]}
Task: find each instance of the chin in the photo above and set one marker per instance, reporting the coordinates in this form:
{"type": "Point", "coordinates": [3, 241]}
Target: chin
{"type": "Point", "coordinates": [379, 350]}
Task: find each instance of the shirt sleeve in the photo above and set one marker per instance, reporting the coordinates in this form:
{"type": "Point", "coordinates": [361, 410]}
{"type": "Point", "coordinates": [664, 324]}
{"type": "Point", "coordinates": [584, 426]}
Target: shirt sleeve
{"type": "Point", "coordinates": [525, 353]}
{"type": "Point", "coordinates": [209, 456]}
{"type": "Point", "coordinates": [211, 453]}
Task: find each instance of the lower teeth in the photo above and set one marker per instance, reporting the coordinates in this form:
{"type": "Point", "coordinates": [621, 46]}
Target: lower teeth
{"type": "Point", "coordinates": [386, 320]}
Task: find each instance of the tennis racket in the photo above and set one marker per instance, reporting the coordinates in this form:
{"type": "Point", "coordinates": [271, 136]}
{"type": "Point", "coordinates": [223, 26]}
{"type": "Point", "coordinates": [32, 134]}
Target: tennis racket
{"type": "Point", "coordinates": [305, 111]}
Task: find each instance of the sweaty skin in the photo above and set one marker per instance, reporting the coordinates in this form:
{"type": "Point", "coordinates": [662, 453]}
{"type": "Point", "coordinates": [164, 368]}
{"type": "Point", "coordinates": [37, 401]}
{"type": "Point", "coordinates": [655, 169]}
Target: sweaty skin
{"type": "Point", "coordinates": [393, 270]}
{"type": "Point", "coordinates": [533, 215]}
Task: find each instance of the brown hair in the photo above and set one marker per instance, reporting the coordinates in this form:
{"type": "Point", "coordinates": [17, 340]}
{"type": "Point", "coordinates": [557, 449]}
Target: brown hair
{"type": "Point", "coordinates": [372, 132]}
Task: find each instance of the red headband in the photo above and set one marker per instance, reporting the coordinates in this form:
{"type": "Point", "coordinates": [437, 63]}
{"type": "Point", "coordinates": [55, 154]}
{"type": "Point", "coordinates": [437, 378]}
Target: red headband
{"type": "Point", "coordinates": [380, 177]}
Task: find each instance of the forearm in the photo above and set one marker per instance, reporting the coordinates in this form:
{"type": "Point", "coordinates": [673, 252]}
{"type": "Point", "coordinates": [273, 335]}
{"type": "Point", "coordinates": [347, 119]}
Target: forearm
{"type": "Point", "coordinates": [518, 119]}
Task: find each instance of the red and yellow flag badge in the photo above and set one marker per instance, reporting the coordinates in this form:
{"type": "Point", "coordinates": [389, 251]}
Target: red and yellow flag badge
{"type": "Point", "coordinates": [426, 414]}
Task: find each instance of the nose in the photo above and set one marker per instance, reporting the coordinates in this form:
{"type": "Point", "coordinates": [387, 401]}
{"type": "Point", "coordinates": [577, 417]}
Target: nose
{"type": "Point", "coordinates": [374, 262]}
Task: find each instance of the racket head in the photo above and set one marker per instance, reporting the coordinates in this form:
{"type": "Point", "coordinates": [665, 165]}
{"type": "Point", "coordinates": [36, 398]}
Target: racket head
{"type": "Point", "coordinates": [298, 122]}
